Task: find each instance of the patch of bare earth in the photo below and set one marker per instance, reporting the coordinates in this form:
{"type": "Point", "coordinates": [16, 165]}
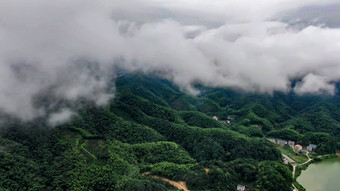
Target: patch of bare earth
{"type": "Point", "coordinates": [181, 185]}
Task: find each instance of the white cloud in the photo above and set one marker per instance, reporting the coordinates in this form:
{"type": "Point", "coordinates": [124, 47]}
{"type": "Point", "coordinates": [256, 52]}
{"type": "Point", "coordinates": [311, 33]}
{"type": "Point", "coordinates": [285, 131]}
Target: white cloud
{"type": "Point", "coordinates": [315, 84]}
{"type": "Point", "coordinates": [69, 48]}
{"type": "Point", "coordinates": [60, 117]}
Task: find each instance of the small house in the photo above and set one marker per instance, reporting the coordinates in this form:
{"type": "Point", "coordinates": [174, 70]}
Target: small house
{"type": "Point", "coordinates": [291, 143]}
{"type": "Point", "coordinates": [311, 147]}
{"type": "Point", "coordinates": [285, 161]}
{"type": "Point", "coordinates": [281, 142]}
{"type": "Point", "coordinates": [241, 187]}
{"type": "Point", "coordinates": [215, 117]}
{"type": "Point", "coordinates": [298, 147]}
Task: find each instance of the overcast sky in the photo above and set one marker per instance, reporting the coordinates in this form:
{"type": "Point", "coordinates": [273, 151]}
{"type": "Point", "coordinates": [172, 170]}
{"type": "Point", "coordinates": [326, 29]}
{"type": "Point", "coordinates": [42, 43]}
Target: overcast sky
{"type": "Point", "coordinates": [68, 49]}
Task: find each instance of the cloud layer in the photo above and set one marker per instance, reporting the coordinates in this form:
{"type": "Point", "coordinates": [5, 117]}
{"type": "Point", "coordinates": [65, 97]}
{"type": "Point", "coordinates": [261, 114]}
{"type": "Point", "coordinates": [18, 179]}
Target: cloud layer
{"type": "Point", "coordinates": [69, 49]}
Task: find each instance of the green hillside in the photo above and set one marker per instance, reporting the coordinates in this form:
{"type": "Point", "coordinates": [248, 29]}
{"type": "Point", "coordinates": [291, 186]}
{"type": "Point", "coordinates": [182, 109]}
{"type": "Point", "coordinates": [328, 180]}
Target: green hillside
{"type": "Point", "coordinates": [151, 128]}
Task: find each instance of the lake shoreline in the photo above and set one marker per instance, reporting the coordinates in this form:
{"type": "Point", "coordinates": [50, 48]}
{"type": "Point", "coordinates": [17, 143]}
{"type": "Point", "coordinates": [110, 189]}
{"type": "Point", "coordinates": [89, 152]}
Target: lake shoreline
{"type": "Point", "coordinates": [310, 179]}
{"type": "Point", "coordinates": [318, 159]}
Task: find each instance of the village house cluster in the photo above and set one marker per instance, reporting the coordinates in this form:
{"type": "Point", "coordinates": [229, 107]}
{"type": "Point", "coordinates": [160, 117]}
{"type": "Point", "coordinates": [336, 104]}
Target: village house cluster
{"type": "Point", "coordinates": [309, 148]}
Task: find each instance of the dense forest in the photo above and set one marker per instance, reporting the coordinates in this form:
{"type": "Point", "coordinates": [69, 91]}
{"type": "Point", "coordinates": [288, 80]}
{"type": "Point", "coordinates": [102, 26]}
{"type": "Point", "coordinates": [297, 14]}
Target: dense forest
{"type": "Point", "coordinates": [153, 129]}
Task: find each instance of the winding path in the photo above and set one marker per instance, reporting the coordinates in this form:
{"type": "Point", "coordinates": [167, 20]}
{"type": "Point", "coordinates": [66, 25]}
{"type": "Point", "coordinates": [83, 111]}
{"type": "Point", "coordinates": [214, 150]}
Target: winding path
{"type": "Point", "coordinates": [295, 164]}
{"type": "Point", "coordinates": [309, 159]}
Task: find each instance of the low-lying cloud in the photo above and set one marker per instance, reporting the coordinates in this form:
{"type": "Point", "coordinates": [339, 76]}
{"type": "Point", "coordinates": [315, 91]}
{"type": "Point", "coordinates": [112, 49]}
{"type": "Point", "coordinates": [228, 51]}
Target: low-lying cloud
{"type": "Point", "coordinates": [69, 49]}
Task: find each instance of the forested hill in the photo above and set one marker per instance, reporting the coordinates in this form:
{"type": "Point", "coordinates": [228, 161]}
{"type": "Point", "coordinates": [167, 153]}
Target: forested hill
{"type": "Point", "coordinates": [151, 128]}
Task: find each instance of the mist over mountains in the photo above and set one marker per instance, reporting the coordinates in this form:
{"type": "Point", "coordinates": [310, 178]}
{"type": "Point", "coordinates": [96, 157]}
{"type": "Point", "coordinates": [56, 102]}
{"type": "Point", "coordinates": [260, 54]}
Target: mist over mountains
{"type": "Point", "coordinates": [164, 95]}
{"type": "Point", "coordinates": [324, 16]}
{"type": "Point", "coordinates": [153, 130]}
{"type": "Point", "coordinates": [69, 50]}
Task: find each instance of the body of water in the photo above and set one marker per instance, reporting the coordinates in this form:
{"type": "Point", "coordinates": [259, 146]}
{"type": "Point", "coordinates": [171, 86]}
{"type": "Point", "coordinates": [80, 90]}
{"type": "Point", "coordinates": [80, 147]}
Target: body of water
{"type": "Point", "coordinates": [322, 176]}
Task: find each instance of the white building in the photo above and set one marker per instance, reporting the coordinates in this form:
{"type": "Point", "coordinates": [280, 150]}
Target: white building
{"type": "Point", "coordinates": [311, 147]}
{"type": "Point", "coordinates": [241, 187]}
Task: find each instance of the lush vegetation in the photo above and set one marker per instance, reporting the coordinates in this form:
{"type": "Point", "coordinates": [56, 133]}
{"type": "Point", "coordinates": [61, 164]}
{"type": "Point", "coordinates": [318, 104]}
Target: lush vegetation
{"type": "Point", "coordinates": [151, 128]}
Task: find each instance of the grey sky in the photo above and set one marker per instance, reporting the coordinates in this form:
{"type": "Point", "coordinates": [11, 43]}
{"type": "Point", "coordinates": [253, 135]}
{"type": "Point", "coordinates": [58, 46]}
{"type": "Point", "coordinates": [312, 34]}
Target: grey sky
{"type": "Point", "coordinates": [69, 47]}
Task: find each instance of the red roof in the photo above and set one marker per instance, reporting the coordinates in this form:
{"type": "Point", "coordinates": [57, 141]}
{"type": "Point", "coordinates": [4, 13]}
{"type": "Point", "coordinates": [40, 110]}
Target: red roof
{"type": "Point", "coordinates": [298, 145]}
